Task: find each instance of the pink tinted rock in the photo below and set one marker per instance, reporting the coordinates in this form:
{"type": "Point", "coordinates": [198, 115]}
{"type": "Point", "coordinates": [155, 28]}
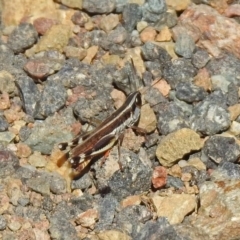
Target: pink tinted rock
{"type": "Point", "coordinates": [37, 68]}
{"type": "Point", "coordinates": [42, 24]}
{"type": "Point", "coordinates": [159, 177]}
{"type": "Point", "coordinates": [210, 30]}
{"type": "Point", "coordinates": [233, 10]}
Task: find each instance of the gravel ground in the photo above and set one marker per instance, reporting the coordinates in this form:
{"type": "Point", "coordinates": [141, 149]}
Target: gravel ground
{"type": "Point", "coordinates": [64, 64]}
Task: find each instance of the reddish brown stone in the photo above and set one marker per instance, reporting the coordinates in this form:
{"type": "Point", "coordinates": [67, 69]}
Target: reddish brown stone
{"type": "Point", "coordinates": [159, 177]}
{"type": "Point", "coordinates": [80, 18]}
{"type": "Point", "coordinates": [233, 10]}
{"type": "Point", "coordinates": [37, 68]}
{"type": "Point", "coordinates": [43, 24]}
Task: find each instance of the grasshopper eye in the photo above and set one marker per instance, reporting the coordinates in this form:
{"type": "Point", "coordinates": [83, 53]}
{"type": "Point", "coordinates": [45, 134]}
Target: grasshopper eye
{"type": "Point", "coordinates": [138, 100]}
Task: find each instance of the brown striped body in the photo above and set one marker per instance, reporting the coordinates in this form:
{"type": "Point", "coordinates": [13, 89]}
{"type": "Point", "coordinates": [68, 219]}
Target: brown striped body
{"type": "Point", "coordinates": [107, 133]}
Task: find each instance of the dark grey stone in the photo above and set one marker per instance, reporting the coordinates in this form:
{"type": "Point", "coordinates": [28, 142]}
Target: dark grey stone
{"type": "Point", "coordinates": [232, 94]}
{"type": "Point", "coordinates": [160, 229]}
{"type": "Point", "coordinates": [117, 35]}
{"type": "Point", "coordinates": [157, 6]}
{"type": "Point", "coordinates": [9, 163]}
{"type": "Point", "coordinates": [211, 115]}
{"type": "Point", "coordinates": [175, 182]}
{"type": "Point", "coordinates": [84, 202]}
{"type": "Point", "coordinates": [22, 37]}
{"type": "Point", "coordinates": [99, 108]}
{"type": "Point", "coordinates": [221, 149]}
{"type": "Point", "coordinates": [29, 94]}
{"type": "Point", "coordinates": [25, 172]}
{"type": "Point", "coordinates": [127, 80]}
{"type": "Point", "coordinates": [3, 124]}
{"type": "Point", "coordinates": [200, 178]}
{"type": "Point", "coordinates": [98, 37]}
{"type": "Point", "coordinates": [149, 16]}
{"type": "Point", "coordinates": [131, 217]}
{"type": "Point", "coordinates": [184, 106]}
{"type": "Point", "coordinates": [181, 65]}
{"type": "Point", "coordinates": [135, 40]}
{"type": "Point", "coordinates": [104, 6]}
{"type": "Point", "coordinates": [171, 118]}
{"type": "Point", "coordinates": [106, 209]}
{"type": "Point", "coordinates": [6, 55]}
{"type": "Point", "coordinates": [52, 99]}
{"type": "Point", "coordinates": [102, 77]}
{"type": "Point", "coordinates": [190, 93]}
{"type": "Point", "coordinates": [11, 63]}
{"type": "Point", "coordinates": [151, 153]}
{"type": "Point", "coordinates": [230, 170]}
{"type": "Point", "coordinates": [23, 201]}
{"type": "Point", "coordinates": [47, 203]}
{"type": "Point", "coordinates": [131, 15]}
{"type": "Point", "coordinates": [117, 49]}
{"type": "Point", "coordinates": [58, 184]}
{"type": "Point", "coordinates": [72, 74]}
{"type": "Point", "coordinates": [44, 182]}
{"type": "Point", "coordinates": [227, 65]}
{"type": "Point", "coordinates": [24, 133]}
{"type": "Point", "coordinates": [200, 58]}
{"type": "Point", "coordinates": [151, 140]}
{"type": "Point", "coordinates": [184, 45]}
{"type": "Point", "coordinates": [120, 4]}
{"type": "Point", "coordinates": [154, 97]}
{"type": "Point", "coordinates": [154, 68]}
{"type": "Point", "coordinates": [54, 129]}
{"type": "Point", "coordinates": [60, 226]}
{"type": "Point", "coordinates": [39, 184]}
{"type": "Point", "coordinates": [82, 183]}
{"type": "Point", "coordinates": [168, 19]}
{"type": "Point", "coordinates": [3, 223]}
{"type": "Point", "coordinates": [151, 52]}
{"type": "Point", "coordinates": [134, 179]}
{"type": "Point", "coordinates": [147, 78]}
{"type": "Point", "coordinates": [29, 212]}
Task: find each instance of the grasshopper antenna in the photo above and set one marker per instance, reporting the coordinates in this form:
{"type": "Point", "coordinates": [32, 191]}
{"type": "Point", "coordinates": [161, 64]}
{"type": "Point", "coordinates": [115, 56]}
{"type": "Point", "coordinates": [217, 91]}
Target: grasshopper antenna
{"type": "Point", "coordinates": [133, 77]}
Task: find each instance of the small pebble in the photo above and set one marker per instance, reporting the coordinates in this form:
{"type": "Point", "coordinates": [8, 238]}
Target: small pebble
{"type": "Point", "coordinates": [3, 223]}
{"type": "Point", "coordinates": [182, 163]}
{"type": "Point", "coordinates": [184, 45]}
{"type": "Point", "coordinates": [4, 101]}
{"type": "Point", "coordinates": [37, 160]}
{"type": "Point", "coordinates": [18, 41]}
{"type": "Point", "coordinates": [175, 171]}
{"type": "Point", "coordinates": [197, 163]}
{"type": "Point", "coordinates": [3, 124]}
{"type": "Point", "coordinates": [186, 177]}
{"type": "Point", "coordinates": [164, 35]}
{"type": "Point", "coordinates": [109, 22]}
{"type": "Point", "coordinates": [23, 150]}
{"type": "Point", "coordinates": [7, 136]}
{"type": "Point", "coordinates": [148, 34]}
{"type": "Point", "coordinates": [141, 25]}
{"type": "Point", "coordinates": [159, 177]}
{"type": "Point", "coordinates": [43, 24]}
{"type": "Point", "coordinates": [14, 226]}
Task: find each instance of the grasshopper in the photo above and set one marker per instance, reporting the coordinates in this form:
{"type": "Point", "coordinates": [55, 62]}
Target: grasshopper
{"type": "Point", "coordinates": [104, 136]}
